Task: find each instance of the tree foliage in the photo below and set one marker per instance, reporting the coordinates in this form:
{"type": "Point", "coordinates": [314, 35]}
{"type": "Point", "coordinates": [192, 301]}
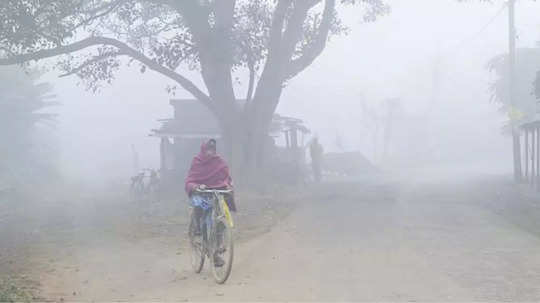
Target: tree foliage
{"type": "Point", "coordinates": [23, 100]}
{"type": "Point", "coordinates": [261, 43]}
{"type": "Point", "coordinates": [214, 37]}
{"type": "Point", "coordinates": [527, 65]}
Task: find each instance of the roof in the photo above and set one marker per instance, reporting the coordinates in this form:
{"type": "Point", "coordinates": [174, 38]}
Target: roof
{"type": "Point", "coordinates": [282, 123]}
{"type": "Point", "coordinates": [531, 124]}
{"type": "Point", "coordinates": [531, 120]}
{"type": "Point", "coordinates": [192, 119]}
{"type": "Point", "coordinates": [186, 128]}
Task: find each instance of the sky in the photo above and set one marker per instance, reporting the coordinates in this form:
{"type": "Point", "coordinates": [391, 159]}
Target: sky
{"type": "Point", "coordinates": [394, 57]}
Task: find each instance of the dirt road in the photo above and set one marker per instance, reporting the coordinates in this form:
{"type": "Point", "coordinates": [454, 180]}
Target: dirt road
{"type": "Point", "coordinates": [398, 241]}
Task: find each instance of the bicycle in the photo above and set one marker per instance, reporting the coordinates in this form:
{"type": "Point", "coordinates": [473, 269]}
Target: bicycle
{"type": "Point", "coordinates": [140, 189]}
{"type": "Point", "coordinates": [153, 189]}
{"type": "Point", "coordinates": [137, 185]}
{"type": "Point", "coordinates": [215, 239]}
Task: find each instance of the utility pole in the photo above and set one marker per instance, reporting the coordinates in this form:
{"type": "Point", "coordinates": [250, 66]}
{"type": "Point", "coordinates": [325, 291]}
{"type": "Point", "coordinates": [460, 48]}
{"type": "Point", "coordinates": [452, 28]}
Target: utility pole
{"type": "Point", "coordinates": [511, 89]}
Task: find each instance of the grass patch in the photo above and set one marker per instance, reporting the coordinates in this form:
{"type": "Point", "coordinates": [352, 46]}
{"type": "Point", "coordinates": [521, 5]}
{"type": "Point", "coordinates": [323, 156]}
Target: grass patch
{"type": "Point", "coordinates": [11, 292]}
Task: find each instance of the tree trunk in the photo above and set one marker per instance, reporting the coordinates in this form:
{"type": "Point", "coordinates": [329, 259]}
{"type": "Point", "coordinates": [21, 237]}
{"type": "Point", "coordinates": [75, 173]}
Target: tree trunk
{"type": "Point", "coordinates": [244, 130]}
{"type": "Point", "coordinates": [245, 137]}
{"type": "Point", "coordinates": [243, 142]}
{"type": "Point", "coordinates": [254, 137]}
{"type": "Point", "coordinates": [234, 140]}
{"type": "Point", "coordinates": [259, 117]}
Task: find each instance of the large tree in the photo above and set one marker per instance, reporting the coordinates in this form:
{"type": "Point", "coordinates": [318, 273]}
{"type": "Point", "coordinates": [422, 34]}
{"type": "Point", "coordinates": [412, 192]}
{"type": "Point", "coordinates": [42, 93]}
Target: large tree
{"type": "Point", "coordinates": [269, 41]}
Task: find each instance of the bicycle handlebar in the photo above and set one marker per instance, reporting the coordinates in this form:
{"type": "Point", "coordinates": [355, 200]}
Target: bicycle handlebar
{"type": "Point", "coordinates": [214, 191]}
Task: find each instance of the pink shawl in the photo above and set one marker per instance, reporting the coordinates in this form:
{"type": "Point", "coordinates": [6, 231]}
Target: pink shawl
{"type": "Point", "coordinates": [211, 171]}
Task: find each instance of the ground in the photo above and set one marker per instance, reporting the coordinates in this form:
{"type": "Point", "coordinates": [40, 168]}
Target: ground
{"type": "Point", "coordinates": [420, 239]}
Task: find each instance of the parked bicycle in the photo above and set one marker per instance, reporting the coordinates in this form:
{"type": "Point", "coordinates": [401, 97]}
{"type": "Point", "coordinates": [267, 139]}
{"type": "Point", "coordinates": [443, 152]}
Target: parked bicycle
{"type": "Point", "coordinates": [140, 188]}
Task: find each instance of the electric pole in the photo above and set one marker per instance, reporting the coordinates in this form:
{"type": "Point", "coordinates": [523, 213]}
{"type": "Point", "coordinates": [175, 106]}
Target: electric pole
{"type": "Point", "coordinates": [511, 89]}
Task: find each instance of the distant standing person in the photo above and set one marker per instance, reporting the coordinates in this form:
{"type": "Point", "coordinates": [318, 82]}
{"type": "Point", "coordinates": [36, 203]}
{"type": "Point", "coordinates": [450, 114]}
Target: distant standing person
{"type": "Point", "coordinates": [316, 151]}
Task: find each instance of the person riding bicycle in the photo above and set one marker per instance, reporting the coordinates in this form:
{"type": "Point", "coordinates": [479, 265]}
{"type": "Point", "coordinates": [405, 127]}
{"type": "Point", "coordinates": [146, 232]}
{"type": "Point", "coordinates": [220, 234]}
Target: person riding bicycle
{"type": "Point", "coordinates": [208, 171]}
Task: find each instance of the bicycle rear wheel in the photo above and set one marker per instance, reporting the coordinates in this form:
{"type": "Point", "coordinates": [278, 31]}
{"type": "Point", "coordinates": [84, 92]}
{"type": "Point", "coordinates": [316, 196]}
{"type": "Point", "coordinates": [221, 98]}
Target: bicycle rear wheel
{"type": "Point", "coordinates": [197, 248]}
{"type": "Point", "coordinates": [224, 250]}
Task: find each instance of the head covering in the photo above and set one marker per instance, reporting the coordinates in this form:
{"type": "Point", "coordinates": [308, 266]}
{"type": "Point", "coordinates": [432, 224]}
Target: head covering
{"type": "Point", "coordinates": [211, 144]}
{"type": "Point", "coordinates": [210, 170]}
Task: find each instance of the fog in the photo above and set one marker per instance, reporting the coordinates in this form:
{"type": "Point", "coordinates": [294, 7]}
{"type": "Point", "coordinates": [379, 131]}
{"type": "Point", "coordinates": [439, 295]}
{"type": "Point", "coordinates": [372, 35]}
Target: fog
{"type": "Point", "coordinates": [395, 57]}
{"type": "Point", "coordinates": [388, 174]}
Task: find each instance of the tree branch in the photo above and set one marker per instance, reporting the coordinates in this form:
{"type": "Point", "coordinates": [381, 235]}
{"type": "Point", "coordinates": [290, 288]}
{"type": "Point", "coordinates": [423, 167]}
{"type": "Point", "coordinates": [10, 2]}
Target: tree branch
{"type": "Point", "coordinates": [105, 6]}
{"type": "Point", "coordinates": [215, 70]}
{"type": "Point", "coordinates": [276, 31]}
{"type": "Point", "coordinates": [224, 11]}
{"type": "Point", "coordinates": [315, 49]}
{"type": "Point", "coordinates": [86, 63]}
{"type": "Point", "coordinates": [213, 53]}
{"type": "Point", "coordinates": [108, 9]}
{"type": "Point", "coordinates": [295, 26]}
{"type": "Point", "coordinates": [269, 84]}
{"type": "Point", "coordinates": [251, 84]}
{"type": "Point", "coordinates": [281, 44]}
{"type": "Point", "coordinates": [274, 43]}
{"type": "Point", "coordinates": [123, 48]}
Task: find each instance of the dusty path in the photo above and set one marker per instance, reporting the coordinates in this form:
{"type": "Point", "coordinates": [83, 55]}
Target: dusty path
{"type": "Point", "coordinates": [413, 241]}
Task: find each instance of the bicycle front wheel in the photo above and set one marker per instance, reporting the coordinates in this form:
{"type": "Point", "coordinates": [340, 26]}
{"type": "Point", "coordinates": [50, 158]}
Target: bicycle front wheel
{"type": "Point", "coordinates": [224, 252]}
{"type": "Point", "coordinates": [197, 247]}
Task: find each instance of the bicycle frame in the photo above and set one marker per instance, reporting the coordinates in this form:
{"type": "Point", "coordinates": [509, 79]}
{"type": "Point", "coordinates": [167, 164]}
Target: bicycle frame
{"type": "Point", "coordinates": [220, 204]}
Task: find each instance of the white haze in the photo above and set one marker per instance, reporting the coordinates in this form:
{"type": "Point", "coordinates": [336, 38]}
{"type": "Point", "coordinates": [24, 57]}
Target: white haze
{"type": "Point", "coordinates": [393, 57]}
